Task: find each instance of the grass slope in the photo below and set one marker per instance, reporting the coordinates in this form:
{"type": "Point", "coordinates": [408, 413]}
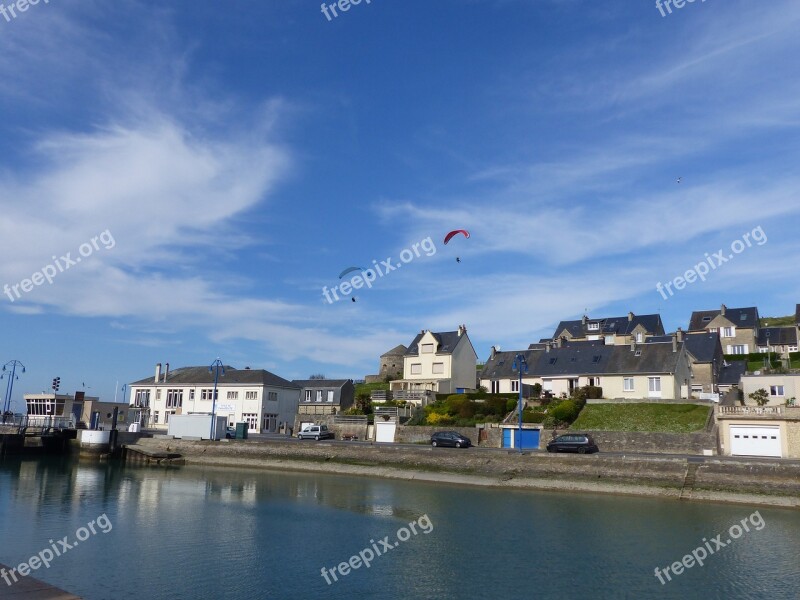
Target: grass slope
{"type": "Point", "coordinates": [661, 418]}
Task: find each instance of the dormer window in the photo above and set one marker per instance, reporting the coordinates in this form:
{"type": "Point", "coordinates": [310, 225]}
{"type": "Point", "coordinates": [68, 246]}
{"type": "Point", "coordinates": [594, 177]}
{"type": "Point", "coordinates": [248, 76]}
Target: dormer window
{"type": "Point", "coordinates": [706, 319]}
{"type": "Point", "coordinates": [743, 317]}
{"type": "Point", "coordinates": [593, 326]}
{"type": "Point", "coordinates": [637, 353]}
{"type": "Point", "coordinates": [427, 348]}
{"type": "Point", "coordinates": [639, 337]}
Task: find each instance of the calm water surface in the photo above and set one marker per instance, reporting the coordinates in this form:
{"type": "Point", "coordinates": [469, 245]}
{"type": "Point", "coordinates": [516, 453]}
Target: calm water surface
{"type": "Point", "coordinates": [210, 533]}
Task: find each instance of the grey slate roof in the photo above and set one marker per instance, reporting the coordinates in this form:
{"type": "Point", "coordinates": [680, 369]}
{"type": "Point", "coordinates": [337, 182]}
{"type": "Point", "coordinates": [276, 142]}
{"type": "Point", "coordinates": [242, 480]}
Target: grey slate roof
{"type": "Point", "coordinates": [202, 376]}
{"type": "Point", "coordinates": [588, 358]}
{"type": "Point", "coordinates": [320, 383]}
{"type": "Point", "coordinates": [797, 314]}
{"type": "Point", "coordinates": [741, 317]}
{"type": "Point", "coordinates": [778, 336]}
{"type": "Point", "coordinates": [500, 367]}
{"type": "Point", "coordinates": [447, 342]}
{"type": "Point", "coordinates": [611, 325]}
{"type": "Point", "coordinates": [703, 346]}
{"type": "Point", "coordinates": [732, 374]}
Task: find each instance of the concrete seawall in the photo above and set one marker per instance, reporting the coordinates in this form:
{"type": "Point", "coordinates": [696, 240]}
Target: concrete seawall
{"type": "Point", "coordinates": [742, 481]}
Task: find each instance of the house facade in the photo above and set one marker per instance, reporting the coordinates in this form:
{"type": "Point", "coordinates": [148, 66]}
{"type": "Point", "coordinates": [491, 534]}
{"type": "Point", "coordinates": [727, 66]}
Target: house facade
{"type": "Point", "coordinates": [780, 387]}
{"type": "Point", "coordinates": [705, 359]}
{"type": "Point", "coordinates": [655, 370]}
{"type": "Point", "coordinates": [78, 408]}
{"type": "Point", "coordinates": [738, 328]}
{"type": "Point", "coordinates": [612, 330]}
{"type": "Point", "coordinates": [782, 340]}
{"type": "Point", "coordinates": [443, 363]}
{"type": "Point", "coordinates": [266, 402]}
{"type": "Point", "coordinates": [324, 396]}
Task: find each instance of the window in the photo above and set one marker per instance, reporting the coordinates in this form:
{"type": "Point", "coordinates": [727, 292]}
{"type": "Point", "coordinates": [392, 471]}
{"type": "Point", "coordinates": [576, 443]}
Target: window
{"type": "Point", "coordinates": [654, 383]}
{"type": "Point", "coordinates": [416, 369]}
{"type": "Point", "coordinates": [594, 381]}
{"type": "Point", "coordinates": [251, 395]}
{"type": "Point", "coordinates": [639, 337]}
{"type": "Point", "coordinates": [155, 417]}
{"type": "Point", "coordinates": [743, 317]}
{"type": "Point", "coordinates": [495, 387]}
{"type": "Point", "coordinates": [596, 358]}
{"type": "Point", "coordinates": [252, 421]}
{"type": "Point", "coordinates": [514, 385]}
{"type": "Point", "coordinates": [593, 326]}
{"type": "Point", "coordinates": [553, 360]}
{"type": "Point", "coordinates": [158, 394]}
{"type": "Point", "coordinates": [628, 384]}
{"type": "Point", "coordinates": [143, 398]}
{"type": "Point", "coordinates": [438, 368]}
{"type": "Point", "coordinates": [318, 396]}
{"type": "Point", "coordinates": [273, 396]}
{"type": "Point", "coordinates": [638, 352]}
{"type": "Point", "coordinates": [793, 348]}
{"type": "Point", "coordinates": [233, 395]}
{"type": "Point", "coordinates": [706, 319]}
{"type": "Point", "coordinates": [727, 332]}
{"type": "Point", "coordinates": [330, 395]}
{"type": "Point", "coordinates": [308, 396]}
{"type": "Point", "coordinates": [776, 390]}
{"type": "Point", "coordinates": [207, 393]}
{"type": "Point", "coordinates": [174, 399]}
{"type": "Point", "coordinates": [191, 394]}
{"type": "Point", "coordinates": [427, 348]}
{"type": "Point", "coordinates": [609, 340]}
{"type": "Point", "coordinates": [737, 349]}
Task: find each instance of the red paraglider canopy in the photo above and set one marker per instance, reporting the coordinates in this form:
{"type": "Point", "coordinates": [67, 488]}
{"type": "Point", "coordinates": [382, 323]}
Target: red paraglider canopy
{"type": "Point", "coordinates": [455, 232]}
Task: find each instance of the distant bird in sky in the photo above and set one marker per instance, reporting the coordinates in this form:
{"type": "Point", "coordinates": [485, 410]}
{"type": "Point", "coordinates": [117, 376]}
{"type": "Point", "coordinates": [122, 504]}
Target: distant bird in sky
{"type": "Point", "coordinates": [458, 259]}
{"type": "Point", "coordinates": [353, 299]}
{"type": "Point", "coordinates": [679, 179]}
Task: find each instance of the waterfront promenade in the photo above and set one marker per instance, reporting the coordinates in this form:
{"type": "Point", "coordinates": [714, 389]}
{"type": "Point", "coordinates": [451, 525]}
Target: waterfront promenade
{"type": "Point", "coordinates": [28, 588]}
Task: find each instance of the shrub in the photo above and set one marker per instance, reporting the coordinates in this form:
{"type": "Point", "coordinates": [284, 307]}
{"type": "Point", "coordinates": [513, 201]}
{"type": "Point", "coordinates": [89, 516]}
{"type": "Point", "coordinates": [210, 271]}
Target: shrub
{"type": "Point", "coordinates": [565, 411]}
{"type": "Point", "coordinates": [511, 405]}
{"type": "Point", "coordinates": [536, 390]}
{"type": "Point", "coordinates": [437, 419]}
{"type": "Point", "coordinates": [460, 405]}
{"type": "Point", "coordinates": [761, 397]}
{"type": "Point", "coordinates": [533, 417]}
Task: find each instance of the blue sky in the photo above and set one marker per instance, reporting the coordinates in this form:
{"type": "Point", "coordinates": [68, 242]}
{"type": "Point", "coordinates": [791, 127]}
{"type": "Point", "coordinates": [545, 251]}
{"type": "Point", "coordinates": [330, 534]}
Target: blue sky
{"type": "Point", "coordinates": [242, 154]}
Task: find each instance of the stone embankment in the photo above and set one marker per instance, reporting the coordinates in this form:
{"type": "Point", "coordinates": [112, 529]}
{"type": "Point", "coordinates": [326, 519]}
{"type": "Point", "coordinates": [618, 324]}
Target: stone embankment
{"type": "Point", "coordinates": [755, 481]}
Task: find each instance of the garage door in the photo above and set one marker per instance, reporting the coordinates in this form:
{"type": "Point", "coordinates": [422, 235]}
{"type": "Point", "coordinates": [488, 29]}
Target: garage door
{"type": "Point", "coordinates": [384, 432]}
{"type": "Point", "coordinates": [755, 441]}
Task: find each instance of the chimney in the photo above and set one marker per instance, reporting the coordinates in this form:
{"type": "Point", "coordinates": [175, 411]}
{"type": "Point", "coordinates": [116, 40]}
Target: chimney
{"type": "Point", "coordinates": [547, 347]}
{"type": "Point", "coordinates": [630, 317]}
{"type": "Point", "coordinates": [559, 342]}
{"type": "Point", "coordinates": [494, 351]}
{"type": "Point", "coordinates": [680, 334]}
{"type": "Point", "coordinates": [461, 330]}
{"type": "Point", "coordinates": [674, 342]}
{"type": "Point", "coordinates": [722, 310]}
{"type": "Point", "coordinates": [166, 372]}
{"type": "Point", "coordinates": [584, 319]}
{"type": "Point", "coordinates": [158, 373]}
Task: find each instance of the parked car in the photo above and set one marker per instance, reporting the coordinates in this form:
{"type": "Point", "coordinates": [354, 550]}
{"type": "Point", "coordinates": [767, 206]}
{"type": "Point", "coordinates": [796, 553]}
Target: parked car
{"type": "Point", "coordinates": [317, 432]}
{"type": "Point", "coordinates": [450, 438]}
{"type": "Point", "coordinates": [230, 433]}
{"type": "Point", "coordinates": [582, 443]}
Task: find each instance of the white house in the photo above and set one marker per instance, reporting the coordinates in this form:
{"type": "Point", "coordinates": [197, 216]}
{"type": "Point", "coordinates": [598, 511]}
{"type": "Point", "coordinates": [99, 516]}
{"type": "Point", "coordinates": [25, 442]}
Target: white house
{"type": "Point", "coordinates": [443, 363]}
{"type": "Point", "coordinates": [266, 402]}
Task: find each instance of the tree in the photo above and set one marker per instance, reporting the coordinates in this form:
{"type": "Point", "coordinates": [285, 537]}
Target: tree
{"type": "Point", "coordinates": [364, 403]}
{"type": "Point", "coordinates": [760, 396]}
{"type": "Point", "coordinates": [317, 376]}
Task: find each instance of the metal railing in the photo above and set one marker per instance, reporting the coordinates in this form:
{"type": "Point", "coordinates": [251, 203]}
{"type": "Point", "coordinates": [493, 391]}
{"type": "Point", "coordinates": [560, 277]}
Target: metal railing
{"type": "Point", "coordinates": [750, 410]}
{"type": "Point", "coordinates": [42, 424]}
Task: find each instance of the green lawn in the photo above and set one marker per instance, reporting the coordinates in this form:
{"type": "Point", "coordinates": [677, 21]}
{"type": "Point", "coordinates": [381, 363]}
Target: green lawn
{"type": "Point", "coordinates": [662, 418]}
{"type": "Point", "coordinates": [370, 387]}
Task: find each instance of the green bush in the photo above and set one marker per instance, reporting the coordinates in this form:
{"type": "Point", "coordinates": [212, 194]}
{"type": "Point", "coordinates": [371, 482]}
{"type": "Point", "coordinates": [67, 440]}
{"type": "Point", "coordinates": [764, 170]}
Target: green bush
{"type": "Point", "coordinates": [533, 417]}
{"type": "Point", "coordinates": [565, 411]}
{"type": "Point", "coordinates": [511, 405]}
{"type": "Point", "coordinates": [536, 390]}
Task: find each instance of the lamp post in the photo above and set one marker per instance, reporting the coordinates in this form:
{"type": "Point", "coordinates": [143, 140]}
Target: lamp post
{"type": "Point", "coordinates": [521, 366]}
{"type": "Point", "coordinates": [10, 384]}
{"type": "Point", "coordinates": [215, 368]}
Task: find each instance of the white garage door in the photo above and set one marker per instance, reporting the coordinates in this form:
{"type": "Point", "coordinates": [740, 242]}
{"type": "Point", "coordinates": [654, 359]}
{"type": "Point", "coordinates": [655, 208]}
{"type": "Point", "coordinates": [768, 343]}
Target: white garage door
{"type": "Point", "coordinates": [755, 441]}
{"type": "Point", "coordinates": [384, 432]}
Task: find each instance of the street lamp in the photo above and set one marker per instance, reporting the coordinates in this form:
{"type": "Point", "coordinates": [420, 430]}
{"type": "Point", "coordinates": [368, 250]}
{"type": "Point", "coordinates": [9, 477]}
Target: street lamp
{"type": "Point", "coordinates": [10, 384]}
{"type": "Point", "coordinates": [521, 366]}
{"type": "Point", "coordinates": [215, 368]}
